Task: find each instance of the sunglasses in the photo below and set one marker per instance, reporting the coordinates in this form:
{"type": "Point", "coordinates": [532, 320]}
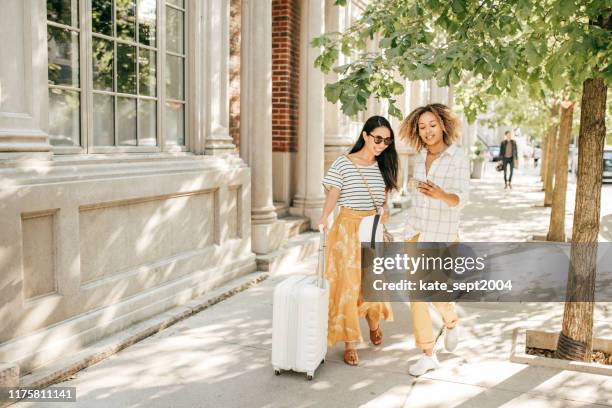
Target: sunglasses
{"type": "Point", "coordinates": [379, 139]}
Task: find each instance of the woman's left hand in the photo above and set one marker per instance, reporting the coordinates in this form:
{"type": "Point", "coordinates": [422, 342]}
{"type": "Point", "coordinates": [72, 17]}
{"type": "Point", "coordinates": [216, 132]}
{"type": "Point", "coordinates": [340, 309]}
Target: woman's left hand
{"type": "Point", "coordinates": [432, 190]}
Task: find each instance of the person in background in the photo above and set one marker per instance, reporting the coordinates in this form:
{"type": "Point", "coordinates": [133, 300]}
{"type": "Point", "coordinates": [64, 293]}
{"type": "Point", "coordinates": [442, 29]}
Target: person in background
{"type": "Point", "coordinates": [508, 154]}
{"type": "Point", "coordinates": [537, 154]}
{"type": "Point", "coordinates": [527, 155]}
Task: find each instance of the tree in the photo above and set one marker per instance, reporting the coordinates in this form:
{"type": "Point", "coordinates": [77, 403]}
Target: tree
{"type": "Point", "coordinates": [551, 156]}
{"type": "Point", "coordinates": [575, 341]}
{"type": "Point", "coordinates": [556, 226]}
{"type": "Point", "coordinates": [540, 45]}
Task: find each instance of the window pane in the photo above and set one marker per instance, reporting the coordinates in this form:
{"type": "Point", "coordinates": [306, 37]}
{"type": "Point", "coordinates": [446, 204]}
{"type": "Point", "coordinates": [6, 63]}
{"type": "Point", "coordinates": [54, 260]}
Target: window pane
{"type": "Point", "coordinates": [64, 117]}
{"type": "Point", "coordinates": [102, 56]}
{"type": "Point", "coordinates": [174, 30]}
{"type": "Point", "coordinates": [175, 129]}
{"type": "Point", "coordinates": [179, 3]}
{"type": "Point", "coordinates": [147, 23]}
{"type": "Point", "coordinates": [102, 16]}
{"type": "Point", "coordinates": [126, 121]}
{"type": "Point", "coordinates": [126, 19]}
{"type": "Point", "coordinates": [147, 74]}
{"type": "Point", "coordinates": [64, 12]}
{"type": "Point", "coordinates": [174, 77]}
{"type": "Point", "coordinates": [63, 49]}
{"type": "Point", "coordinates": [126, 68]}
{"type": "Point", "coordinates": [147, 123]}
{"type": "Point", "coordinates": [103, 123]}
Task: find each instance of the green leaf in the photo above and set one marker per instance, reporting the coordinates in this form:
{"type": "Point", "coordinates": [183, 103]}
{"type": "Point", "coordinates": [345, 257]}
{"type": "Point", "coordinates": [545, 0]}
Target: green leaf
{"type": "Point", "coordinates": [333, 92]}
{"type": "Point", "coordinates": [454, 76]}
{"type": "Point", "coordinates": [565, 7]}
{"type": "Point", "coordinates": [341, 3]}
{"type": "Point", "coordinates": [385, 42]}
{"type": "Point", "coordinates": [532, 54]}
{"type": "Point", "coordinates": [493, 90]}
{"type": "Point", "coordinates": [524, 9]}
{"type": "Point", "coordinates": [443, 21]}
{"type": "Point", "coordinates": [433, 4]}
{"type": "Point", "coordinates": [442, 76]}
{"type": "Point", "coordinates": [397, 88]}
{"type": "Point", "coordinates": [423, 72]}
{"type": "Point", "coordinates": [345, 48]}
{"type": "Point", "coordinates": [509, 58]}
{"type": "Point", "coordinates": [394, 111]}
{"type": "Point", "coordinates": [459, 8]}
{"type": "Point", "coordinates": [351, 106]}
{"type": "Point", "coordinates": [316, 42]}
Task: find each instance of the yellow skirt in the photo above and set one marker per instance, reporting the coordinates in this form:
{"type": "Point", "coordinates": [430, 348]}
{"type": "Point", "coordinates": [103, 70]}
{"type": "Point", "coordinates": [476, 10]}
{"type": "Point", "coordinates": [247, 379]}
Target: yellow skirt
{"type": "Point", "coordinates": [343, 271]}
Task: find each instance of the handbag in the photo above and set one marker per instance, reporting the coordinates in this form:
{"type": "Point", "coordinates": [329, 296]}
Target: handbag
{"type": "Point", "coordinates": [369, 230]}
{"type": "Point", "coordinates": [499, 166]}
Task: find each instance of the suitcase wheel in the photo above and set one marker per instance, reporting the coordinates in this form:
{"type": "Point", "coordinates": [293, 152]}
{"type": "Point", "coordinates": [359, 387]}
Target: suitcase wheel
{"type": "Point", "coordinates": [309, 377]}
{"type": "Point", "coordinates": [277, 372]}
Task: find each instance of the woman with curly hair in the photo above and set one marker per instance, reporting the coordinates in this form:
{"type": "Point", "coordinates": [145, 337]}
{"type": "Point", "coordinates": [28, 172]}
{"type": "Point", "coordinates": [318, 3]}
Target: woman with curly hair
{"type": "Point", "coordinates": [442, 178]}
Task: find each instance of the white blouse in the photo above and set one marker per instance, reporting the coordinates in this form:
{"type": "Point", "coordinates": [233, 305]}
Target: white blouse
{"type": "Point", "coordinates": [433, 219]}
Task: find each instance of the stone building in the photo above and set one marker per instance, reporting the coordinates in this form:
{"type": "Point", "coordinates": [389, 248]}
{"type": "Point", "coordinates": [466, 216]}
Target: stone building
{"type": "Point", "coordinates": [151, 150]}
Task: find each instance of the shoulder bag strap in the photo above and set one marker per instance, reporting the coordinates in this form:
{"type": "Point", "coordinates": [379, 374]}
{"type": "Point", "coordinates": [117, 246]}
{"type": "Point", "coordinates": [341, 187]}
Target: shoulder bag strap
{"type": "Point", "coordinates": [365, 182]}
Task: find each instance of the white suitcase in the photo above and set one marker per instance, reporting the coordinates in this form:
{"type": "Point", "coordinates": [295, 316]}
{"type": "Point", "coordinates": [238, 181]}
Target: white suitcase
{"type": "Point", "coordinates": [299, 321]}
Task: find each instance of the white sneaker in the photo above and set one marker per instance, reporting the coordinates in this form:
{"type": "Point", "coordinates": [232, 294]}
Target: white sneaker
{"type": "Point", "coordinates": [451, 338]}
{"type": "Point", "coordinates": [424, 364]}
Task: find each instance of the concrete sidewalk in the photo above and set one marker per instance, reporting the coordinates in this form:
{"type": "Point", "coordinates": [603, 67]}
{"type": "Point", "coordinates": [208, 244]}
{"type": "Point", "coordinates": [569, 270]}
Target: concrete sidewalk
{"type": "Point", "coordinates": [221, 356]}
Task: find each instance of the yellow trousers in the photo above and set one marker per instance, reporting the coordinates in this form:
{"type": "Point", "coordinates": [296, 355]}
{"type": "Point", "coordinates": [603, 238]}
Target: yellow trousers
{"type": "Point", "coordinates": [421, 320]}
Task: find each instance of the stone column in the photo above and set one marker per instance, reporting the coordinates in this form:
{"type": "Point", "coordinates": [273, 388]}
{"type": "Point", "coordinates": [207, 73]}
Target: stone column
{"type": "Point", "coordinates": [216, 79]}
{"type": "Point", "coordinates": [256, 121]}
{"type": "Point", "coordinates": [309, 197]}
{"type": "Point", "coordinates": [338, 137]}
{"type": "Point", "coordinates": [450, 97]}
{"type": "Point", "coordinates": [23, 81]}
{"type": "Point", "coordinates": [436, 93]}
{"type": "Point", "coordinates": [416, 95]}
{"type": "Point", "coordinates": [404, 151]}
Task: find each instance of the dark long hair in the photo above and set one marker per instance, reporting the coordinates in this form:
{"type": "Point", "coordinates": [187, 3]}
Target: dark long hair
{"type": "Point", "coordinates": [387, 160]}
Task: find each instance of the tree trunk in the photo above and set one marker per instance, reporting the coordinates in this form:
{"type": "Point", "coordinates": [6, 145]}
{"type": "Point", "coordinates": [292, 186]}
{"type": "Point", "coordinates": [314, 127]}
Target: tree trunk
{"type": "Point", "coordinates": [576, 338]}
{"type": "Point", "coordinates": [543, 158]}
{"type": "Point", "coordinates": [556, 227]}
{"type": "Point", "coordinates": [551, 156]}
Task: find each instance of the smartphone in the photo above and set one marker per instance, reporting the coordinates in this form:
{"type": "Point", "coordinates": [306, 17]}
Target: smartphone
{"type": "Point", "coordinates": [413, 184]}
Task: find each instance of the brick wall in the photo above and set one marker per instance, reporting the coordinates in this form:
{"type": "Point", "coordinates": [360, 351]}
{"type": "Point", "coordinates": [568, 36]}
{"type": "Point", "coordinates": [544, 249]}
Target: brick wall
{"type": "Point", "coordinates": [285, 74]}
{"type": "Point", "coordinates": [234, 71]}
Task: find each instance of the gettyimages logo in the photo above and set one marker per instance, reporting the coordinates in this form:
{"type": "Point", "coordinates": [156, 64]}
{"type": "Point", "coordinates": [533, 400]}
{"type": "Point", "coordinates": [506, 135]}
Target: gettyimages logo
{"type": "Point", "coordinates": [451, 264]}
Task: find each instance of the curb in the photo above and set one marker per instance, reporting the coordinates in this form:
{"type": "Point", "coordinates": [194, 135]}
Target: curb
{"type": "Point", "coordinates": [548, 340]}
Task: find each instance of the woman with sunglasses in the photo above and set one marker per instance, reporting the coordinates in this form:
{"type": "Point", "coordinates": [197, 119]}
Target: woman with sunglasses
{"type": "Point", "coordinates": [442, 179]}
{"type": "Point", "coordinates": [359, 183]}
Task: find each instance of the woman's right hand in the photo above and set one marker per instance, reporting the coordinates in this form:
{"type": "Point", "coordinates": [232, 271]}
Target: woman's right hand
{"type": "Point", "coordinates": [322, 223]}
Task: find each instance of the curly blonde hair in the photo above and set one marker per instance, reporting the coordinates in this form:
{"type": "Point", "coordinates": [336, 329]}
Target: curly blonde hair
{"type": "Point", "coordinates": [448, 120]}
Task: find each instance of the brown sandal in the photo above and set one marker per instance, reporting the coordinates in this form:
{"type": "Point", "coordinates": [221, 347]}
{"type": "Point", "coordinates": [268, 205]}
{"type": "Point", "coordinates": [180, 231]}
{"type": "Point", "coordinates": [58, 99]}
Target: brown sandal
{"type": "Point", "coordinates": [376, 336]}
{"type": "Point", "coordinates": [350, 357]}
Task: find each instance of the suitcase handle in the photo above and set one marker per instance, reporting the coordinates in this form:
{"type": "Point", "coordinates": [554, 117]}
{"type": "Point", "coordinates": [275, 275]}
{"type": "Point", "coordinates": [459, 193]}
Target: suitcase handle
{"type": "Point", "coordinates": [321, 262]}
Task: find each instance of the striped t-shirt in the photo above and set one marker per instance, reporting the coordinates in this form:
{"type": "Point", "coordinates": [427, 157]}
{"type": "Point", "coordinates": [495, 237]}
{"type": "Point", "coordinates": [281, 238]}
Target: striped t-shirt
{"type": "Point", "coordinates": [353, 192]}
